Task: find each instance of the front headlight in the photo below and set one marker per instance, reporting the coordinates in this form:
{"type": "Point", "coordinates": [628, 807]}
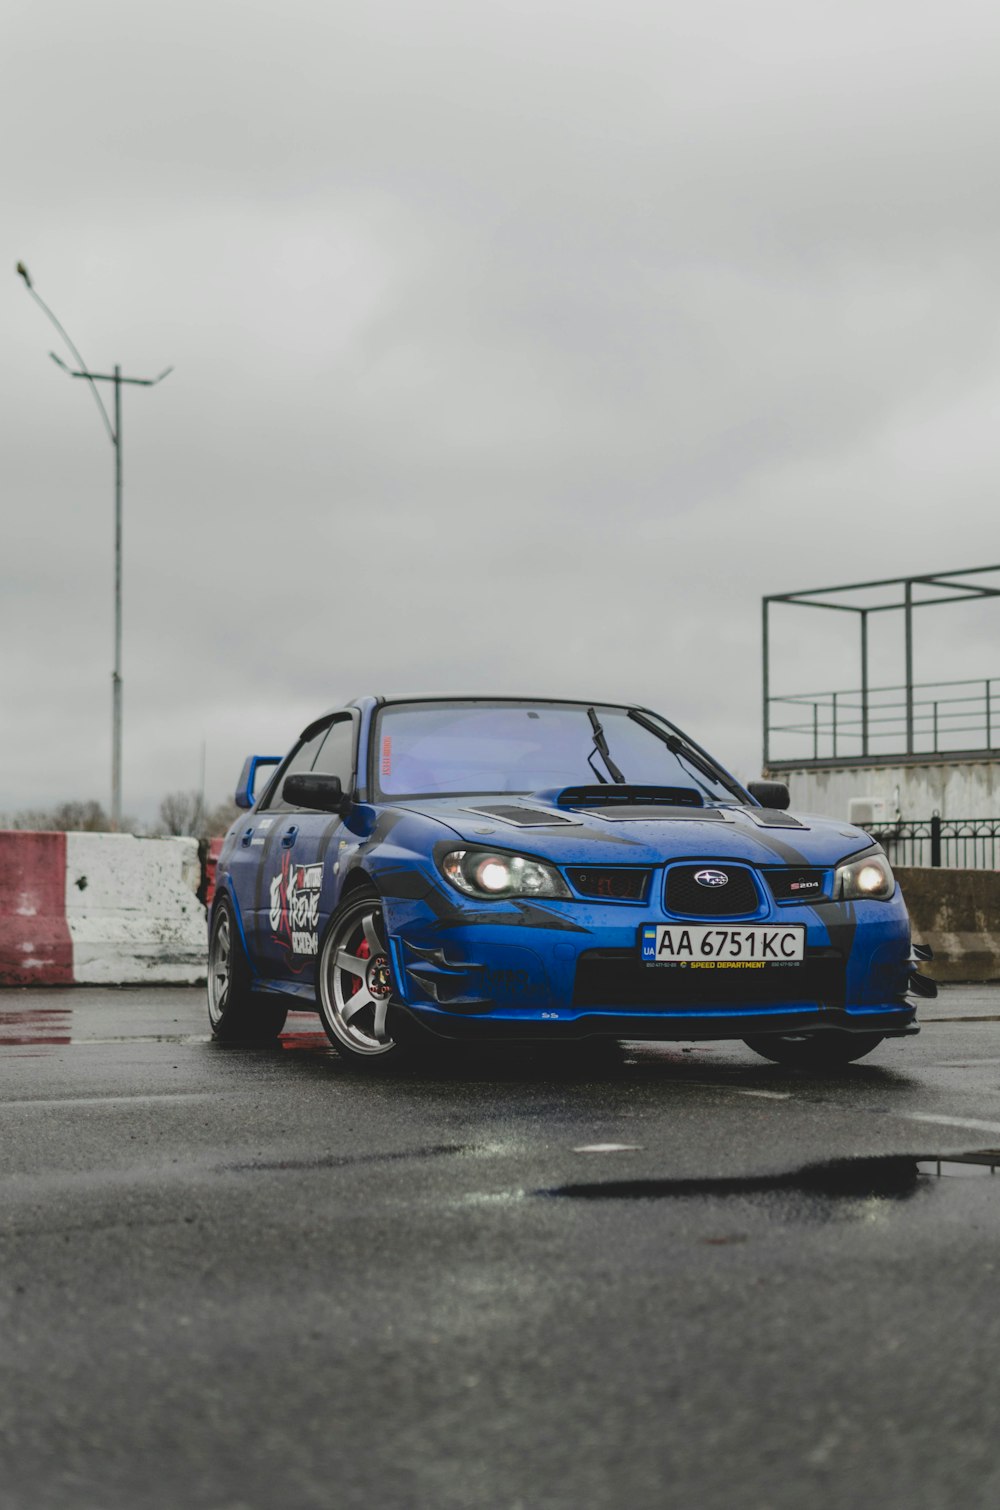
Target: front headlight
{"type": "Point", "coordinates": [868, 878]}
{"type": "Point", "coordinates": [491, 873]}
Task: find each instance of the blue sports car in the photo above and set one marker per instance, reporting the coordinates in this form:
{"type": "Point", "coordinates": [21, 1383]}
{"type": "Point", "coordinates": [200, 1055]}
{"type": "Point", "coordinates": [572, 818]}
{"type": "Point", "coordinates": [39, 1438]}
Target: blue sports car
{"type": "Point", "coordinates": [512, 868]}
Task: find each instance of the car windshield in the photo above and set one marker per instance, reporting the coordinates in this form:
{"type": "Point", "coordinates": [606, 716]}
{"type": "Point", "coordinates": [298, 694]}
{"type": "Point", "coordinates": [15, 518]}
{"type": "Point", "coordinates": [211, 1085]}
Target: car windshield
{"type": "Point", "coordinates": [465, 749]}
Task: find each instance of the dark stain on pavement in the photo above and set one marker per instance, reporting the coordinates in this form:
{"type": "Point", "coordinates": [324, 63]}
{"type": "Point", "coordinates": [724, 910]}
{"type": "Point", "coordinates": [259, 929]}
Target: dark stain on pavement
{"type": "Point", "coordinates": [891, 1177]}
{"type": "Point", "coordinates": [349, 1161]}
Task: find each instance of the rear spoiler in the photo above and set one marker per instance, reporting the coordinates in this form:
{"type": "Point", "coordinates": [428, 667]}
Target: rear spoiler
{"type": "Point", "coordinates": [246, 795]}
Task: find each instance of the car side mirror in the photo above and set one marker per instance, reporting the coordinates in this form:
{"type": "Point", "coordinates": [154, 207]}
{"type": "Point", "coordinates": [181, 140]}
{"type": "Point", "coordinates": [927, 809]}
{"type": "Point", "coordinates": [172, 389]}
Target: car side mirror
{"type": "Point", "coordinates": [324, 794]}
{"type": "Point", "coordinates": [773, 794]}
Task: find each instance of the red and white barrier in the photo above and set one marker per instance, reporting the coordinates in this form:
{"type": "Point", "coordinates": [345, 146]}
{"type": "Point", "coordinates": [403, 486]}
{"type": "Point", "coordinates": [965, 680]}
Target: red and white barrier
{"type": "Point", "coordinates": [35, 943]}
{"type": "Point", "coordinates": [212, 868]}
{"type": "Point", "coordinates": [106, 909]}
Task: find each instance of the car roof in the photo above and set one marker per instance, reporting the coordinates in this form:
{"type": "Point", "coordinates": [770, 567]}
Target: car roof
{"type": "Point", "coordinates": [388, 699]}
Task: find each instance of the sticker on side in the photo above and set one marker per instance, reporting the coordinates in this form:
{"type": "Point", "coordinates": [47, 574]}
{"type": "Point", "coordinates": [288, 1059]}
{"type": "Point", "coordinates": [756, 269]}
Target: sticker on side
{"type": "Point", "coordinates": [294, 910]}
{"type": "Point", "coordinates": [717, 948]}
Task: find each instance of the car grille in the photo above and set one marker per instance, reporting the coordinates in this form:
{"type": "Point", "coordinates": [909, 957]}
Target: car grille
{"type": "Point", "coordinates": [688, 898]}
{"type": "Point", "coordinates": [617, 980]}
{"type": "Point", "coordinates": [615, 883]}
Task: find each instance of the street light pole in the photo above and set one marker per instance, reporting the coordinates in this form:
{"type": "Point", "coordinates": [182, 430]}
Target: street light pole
{"type": "Point", "coordinates": [116, 675]}
{"type": "Point", "coordinates": [115, 434]}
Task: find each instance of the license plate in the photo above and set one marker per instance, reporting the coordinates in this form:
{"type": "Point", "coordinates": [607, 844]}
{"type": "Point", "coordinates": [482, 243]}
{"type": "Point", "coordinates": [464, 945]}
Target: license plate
{"type": "Point", "coordinates": [719, 948]}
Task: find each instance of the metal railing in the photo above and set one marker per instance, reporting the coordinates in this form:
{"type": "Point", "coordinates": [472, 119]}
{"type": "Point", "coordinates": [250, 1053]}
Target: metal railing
{"type": "Point", "coordinates": [953, 843]}
{"type": "Point", "coordinates": [936, 718]}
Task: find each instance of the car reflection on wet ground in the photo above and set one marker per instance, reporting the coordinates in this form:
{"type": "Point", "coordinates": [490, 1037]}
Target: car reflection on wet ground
{"type": "Point", "coordinates": [664, 1274]}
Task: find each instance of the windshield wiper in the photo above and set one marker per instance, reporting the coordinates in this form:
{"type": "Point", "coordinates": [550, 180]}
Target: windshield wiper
{"type": "Point", "coordinates": [601, 746]}
{"type": "Point", "coordinates": [686, 752]}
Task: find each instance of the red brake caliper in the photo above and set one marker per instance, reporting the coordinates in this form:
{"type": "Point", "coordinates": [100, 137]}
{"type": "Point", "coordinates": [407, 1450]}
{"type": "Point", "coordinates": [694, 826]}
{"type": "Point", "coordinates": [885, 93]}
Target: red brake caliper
{"type": "Point", "coordinates": [364, 952]}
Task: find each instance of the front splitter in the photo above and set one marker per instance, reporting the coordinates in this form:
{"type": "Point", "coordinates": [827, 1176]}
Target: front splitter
{"type": "Point", "coordinates": [896, 1022]}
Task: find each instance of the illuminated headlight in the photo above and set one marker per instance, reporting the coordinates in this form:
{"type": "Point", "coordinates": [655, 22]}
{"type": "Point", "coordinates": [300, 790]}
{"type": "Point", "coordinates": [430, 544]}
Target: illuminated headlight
{"type": "Point", "coordinates": [485, 873]}
{"type": "Point", "coordinates": [869, 877]}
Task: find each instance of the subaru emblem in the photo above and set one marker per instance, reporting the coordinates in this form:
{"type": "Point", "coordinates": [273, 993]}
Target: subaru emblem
{"type": "Point", "coordinates": [711, 878]}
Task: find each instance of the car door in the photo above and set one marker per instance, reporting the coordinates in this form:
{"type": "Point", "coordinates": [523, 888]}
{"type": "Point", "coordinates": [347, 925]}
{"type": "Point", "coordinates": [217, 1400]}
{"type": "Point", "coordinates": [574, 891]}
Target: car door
{"type": "Point", "coordinates": [298, 883]}
{"type": "Point", "coordinates": [239, 862]}
{"type": "Point", "coordinates": [270, 836]}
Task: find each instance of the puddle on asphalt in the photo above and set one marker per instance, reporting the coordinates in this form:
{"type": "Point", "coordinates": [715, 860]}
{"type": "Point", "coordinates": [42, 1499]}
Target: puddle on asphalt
{"type": "Point", "coordinates": [34, 1027]}
{"type": "Point", "coordinates": [961, 1165]}
{"type": "Point", "coordinates": [890, 1177]}
{"type": "Point", "coordinates": [52, 1027]}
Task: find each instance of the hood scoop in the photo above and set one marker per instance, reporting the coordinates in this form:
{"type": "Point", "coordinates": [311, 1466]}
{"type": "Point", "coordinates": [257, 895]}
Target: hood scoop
{"type": "Point", "coordinates": [623, 794]}
{"type": "Point", "coordinates": [769, 817]}
{"type": "Point", "coordinates": [625, 803]}
{"type": "Point", "coordinates": [658, 814]}
{"type": "Point", "coordinates": [521, 817]}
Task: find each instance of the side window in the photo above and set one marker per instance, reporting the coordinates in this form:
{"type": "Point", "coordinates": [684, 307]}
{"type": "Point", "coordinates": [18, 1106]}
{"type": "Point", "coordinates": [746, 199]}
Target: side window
{"type": "Point", "coordinates": [301, 761]}
{"type": "Point", "coordinates": [336, 755]}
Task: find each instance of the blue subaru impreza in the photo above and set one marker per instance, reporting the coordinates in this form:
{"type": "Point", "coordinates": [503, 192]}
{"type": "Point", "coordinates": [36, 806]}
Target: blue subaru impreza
{"type": "Point", "coordinates": [508, 868]}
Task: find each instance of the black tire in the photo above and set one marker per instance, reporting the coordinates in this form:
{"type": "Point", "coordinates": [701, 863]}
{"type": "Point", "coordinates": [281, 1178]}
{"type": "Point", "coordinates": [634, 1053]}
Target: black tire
{"type": "Point", "coordinates": [354, 985]}
{"type": "Point", "coordinates": [237, 1014]}
{"type": "Point", "coordinates": [814, 1051]}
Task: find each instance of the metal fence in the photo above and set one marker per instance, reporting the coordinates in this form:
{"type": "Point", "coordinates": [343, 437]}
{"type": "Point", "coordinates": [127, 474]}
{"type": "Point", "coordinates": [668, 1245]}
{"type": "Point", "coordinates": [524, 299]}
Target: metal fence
{"type": "Point", "coordinates": [956, 843]}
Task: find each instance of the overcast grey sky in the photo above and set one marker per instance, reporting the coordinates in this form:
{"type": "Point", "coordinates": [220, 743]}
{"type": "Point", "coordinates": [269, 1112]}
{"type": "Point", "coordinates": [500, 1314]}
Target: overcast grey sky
{"type": "Point", "coordinates": [518, 347]}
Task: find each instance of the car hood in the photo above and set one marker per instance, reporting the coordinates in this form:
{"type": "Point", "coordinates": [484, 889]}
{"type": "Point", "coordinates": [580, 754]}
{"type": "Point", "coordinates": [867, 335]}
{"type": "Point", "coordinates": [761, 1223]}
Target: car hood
{"type": "Point", "coordinates": [646, 835]}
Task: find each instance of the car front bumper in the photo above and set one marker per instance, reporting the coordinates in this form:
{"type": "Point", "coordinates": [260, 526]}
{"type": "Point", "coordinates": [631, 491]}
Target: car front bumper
{"type": "Point", "coordinates": [572, 970]}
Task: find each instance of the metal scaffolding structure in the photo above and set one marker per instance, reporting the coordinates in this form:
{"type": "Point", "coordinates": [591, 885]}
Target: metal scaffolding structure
{"type": "Point", "coordinates": [924, 718]}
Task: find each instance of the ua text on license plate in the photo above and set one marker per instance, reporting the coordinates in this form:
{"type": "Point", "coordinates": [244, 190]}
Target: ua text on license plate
{"type": "Point", "coordinates": [718, 947]}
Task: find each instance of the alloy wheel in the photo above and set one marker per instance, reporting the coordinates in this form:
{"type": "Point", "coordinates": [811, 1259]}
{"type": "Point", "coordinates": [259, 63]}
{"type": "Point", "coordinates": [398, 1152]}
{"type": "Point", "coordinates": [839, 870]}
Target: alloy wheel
{"type": "Point", "coordinates": [220, 967]}
{"type": "Point", "coordinates": [356, 981]}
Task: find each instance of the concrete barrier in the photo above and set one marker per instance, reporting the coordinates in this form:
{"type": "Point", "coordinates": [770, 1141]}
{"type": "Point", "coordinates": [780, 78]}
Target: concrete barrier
{"type": "Point", "coordinates": [106, 909]}
{"type": "Point", "coordinates": [211, 869]}
{"type": "Point", "coordinates": [35, 943]}
{"type": "Point", "coordinates": [957, 912]}
{"type": "Point", "coordinates": [132, 909]}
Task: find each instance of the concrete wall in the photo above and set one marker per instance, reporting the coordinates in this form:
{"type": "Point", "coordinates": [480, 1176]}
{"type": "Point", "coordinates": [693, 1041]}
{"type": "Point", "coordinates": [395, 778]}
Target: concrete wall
{"type": "Point", "coordinates": [957, 912]}
{"type": "Point", "coordinates": [105, 909]}
{"type": "Point", "coordinates": [966, 789]}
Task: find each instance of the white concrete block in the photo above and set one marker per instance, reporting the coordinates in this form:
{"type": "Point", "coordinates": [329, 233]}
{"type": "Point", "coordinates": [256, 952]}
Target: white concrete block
{"type": "Point", "coordinates": [132, 910]}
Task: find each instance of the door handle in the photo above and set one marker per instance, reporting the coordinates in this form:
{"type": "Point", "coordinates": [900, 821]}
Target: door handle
{"type": "Point", "coordinates": [288, 837]}
{"type": "Point", "coordinates": [247, 836]}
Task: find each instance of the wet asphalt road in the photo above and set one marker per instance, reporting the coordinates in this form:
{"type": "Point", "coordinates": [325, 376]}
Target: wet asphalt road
{"type": "Point", "coordinates": [244, 1278]}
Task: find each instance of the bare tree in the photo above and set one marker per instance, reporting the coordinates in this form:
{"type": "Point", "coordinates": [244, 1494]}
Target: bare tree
{"type": "Point", "coordinates": [182, 813]}
{"type": "Point", "coordinates": [66, 817]}
{"type": "Point", "coordinates": [217, 822]}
